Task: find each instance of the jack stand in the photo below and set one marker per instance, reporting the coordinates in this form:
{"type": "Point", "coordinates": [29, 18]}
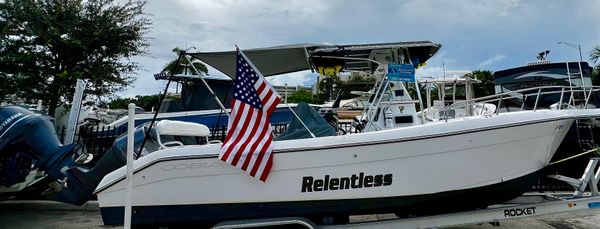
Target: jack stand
{"type": "Point", "coordinates": [590, 176]}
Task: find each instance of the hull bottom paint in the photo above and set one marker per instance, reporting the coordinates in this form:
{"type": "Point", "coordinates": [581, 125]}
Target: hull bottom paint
{"type": "Point", "coordinates": [443, 202]}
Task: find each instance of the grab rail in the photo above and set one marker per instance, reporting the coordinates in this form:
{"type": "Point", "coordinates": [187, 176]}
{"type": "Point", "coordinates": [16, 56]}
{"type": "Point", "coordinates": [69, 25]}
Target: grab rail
{"type": "Point", "coordinates": [524, 94]}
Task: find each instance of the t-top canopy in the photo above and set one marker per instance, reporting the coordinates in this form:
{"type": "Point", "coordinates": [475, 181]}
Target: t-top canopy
{"type": "Point", "coordinates": [298, 57]}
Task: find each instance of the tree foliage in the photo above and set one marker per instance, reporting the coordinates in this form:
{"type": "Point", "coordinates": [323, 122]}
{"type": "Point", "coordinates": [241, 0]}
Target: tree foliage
{"type": "Point", "coordinates": [147, 102]}
{"type": "Point", "coordinates": [356, 82]}
{"type": "Point", "coordinates": [301, 96]}
{"type": "Point", "coordinates": [121, 103]}
{"type": "Point", "coordinates": [487, 86]}
{"type": "Point", "coordinates": [595, 56]}
{"type": "Point", "coordinates": [184, 66]}
{"type": "Point", "coordinates": [328, 85]}
{"type": "Point", "coordinates": [46, 45]}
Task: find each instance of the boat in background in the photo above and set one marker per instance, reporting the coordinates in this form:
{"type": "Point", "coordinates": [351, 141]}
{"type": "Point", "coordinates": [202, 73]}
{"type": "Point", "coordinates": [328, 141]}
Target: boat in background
{"type": "Point", "coordinates": [197, 105]}
{"type": "Point", "coordinates": [575, 79]}
{"type": "Point", "coordinates": [543, 73]}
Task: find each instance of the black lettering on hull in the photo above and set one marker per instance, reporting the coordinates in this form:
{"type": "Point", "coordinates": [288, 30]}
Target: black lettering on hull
{"type": "Point", "coordinates": [355, 181]}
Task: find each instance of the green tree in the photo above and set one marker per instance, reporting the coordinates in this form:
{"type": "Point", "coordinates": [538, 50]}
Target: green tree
{"type": "Point", "coordinates": [594, 57]}
{"type": "Point", "coordinates": [356, 82]}
{"type": "Point", "coordinates": [300, 96]}
{"type": "Point", "coordinates": [120, 103]}
{"type": "Point", "coordinates": [328, 86]}
{"type": "Point", "coordinates": [46, 45]}
{"type": "Point", "coordinates": [7, 86]}
{"type": "Point", "coordinates": [184, 66]}
{"type": "Point", "coordinates": [487, 86]}
{"type": "Point", "coordinates": [147, 102]}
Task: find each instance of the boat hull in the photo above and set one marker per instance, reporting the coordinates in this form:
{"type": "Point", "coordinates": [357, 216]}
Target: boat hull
{"type": "Point", "coordinates": [403, 206]}
{"type": "Point", "coordinates": [386, 171]}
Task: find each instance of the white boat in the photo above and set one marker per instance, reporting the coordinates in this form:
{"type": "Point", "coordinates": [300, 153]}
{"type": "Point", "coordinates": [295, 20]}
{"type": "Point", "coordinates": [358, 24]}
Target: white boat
{"type": "Point", "coordinates": [399, 163]}
{"type": "Point", "coordinates": [471, 159]}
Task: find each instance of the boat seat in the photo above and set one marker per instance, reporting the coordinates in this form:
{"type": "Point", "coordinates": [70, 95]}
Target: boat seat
{"type": "Point", "coordinates": [179, 128]}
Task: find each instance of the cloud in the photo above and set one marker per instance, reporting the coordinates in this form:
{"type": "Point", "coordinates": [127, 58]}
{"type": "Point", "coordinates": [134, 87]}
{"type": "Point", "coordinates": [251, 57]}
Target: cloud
{"type": "Point", "coordinates": [429, 72]}
{"type": "Point", "coordinates": [470, 30]}
{"type": "Point", "coordinates": [302, 78]}
{"type": "Point", "coordinates": [492, 60]}
{"type": "Point", "coordinates": [438, 72]}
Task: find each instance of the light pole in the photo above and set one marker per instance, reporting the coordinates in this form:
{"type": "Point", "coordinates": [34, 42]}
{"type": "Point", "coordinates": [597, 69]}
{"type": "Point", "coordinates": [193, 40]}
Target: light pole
{"type": "Point", "coordinates": [286, 93]}
{"type": "Point", "coordinates": [573, 46]}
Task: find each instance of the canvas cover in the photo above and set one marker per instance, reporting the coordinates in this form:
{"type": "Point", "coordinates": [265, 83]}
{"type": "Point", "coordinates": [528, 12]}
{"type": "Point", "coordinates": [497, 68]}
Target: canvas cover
{"type": "Point", "coordinates": [317, 125]}
{"type": "Point", "coordinates": [195, 96]}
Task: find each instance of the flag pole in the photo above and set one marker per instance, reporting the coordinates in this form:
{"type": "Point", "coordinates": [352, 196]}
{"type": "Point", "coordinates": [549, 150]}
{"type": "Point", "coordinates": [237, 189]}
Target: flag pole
{"type": "Point", "coordinates": [265, 79]}
{"type": "Point", "coordinates": [205, 83]}
{"type": "Point", "coordinates": [129, 165]}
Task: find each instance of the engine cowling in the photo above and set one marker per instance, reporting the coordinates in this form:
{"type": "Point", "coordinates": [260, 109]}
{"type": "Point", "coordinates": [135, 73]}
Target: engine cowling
{"type": "Point", "coordinates": [33, 135]}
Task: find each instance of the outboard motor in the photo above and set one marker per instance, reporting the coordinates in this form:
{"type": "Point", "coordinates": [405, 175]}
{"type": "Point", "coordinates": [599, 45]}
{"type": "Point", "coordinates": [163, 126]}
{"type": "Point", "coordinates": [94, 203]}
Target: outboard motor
{"type": "Point", "coordinates": [25, 133]}
{"type": "Point", "coordinates": [330, 116]}
{"type": "Point", "coordinates": [28, 138]}
{"type": "Point", "coordinates": [81, 182]}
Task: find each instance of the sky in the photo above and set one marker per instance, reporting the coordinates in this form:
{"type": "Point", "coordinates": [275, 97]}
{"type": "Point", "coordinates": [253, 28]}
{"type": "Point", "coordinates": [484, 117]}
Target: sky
{"type": "Point", "coordinates": [475, 35]}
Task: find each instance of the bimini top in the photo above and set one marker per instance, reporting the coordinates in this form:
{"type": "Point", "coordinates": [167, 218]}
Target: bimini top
{"type": "Point", "coordinates": [298, 57]}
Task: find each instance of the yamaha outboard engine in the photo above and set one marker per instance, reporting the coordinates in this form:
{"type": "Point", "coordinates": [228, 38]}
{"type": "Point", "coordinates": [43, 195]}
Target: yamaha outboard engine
{"type": "Point", "coordinates": [27, 137]}
{"type": "Point", "coordinates": [81, 182]}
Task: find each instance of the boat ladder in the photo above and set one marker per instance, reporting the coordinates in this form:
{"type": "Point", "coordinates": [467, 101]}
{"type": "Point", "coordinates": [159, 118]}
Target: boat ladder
{"type": "Point", "coordinates": [585, 133]}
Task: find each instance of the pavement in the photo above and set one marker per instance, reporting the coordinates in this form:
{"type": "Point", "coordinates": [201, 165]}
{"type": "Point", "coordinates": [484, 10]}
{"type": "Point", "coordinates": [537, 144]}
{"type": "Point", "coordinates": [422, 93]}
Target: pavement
{"type": "Point", "coordinates": [49, 214]}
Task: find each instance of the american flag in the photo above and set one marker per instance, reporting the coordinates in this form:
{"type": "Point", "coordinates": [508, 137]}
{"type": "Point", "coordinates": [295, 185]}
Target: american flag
{"type": "Point", "coordinates": [248, 144]}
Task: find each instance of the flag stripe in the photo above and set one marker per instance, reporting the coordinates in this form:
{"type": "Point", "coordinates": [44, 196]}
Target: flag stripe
{"type": "Point", "coordinates": [234, 142]}
{"type": "Point", "coordinates": [261, 155]}
{"type": "Point", "coordinates": [246, 135]}
{"type": "Point", "coordinates": [259, 145]}
{"type": "Point", "coordinates": [239, 114]}
{"type": "Point", "coordinates": [267, 169]}
{"type": "Point", "coordinates": [260, 129]}
{"type": "Point", "coordinates": [249, 141]}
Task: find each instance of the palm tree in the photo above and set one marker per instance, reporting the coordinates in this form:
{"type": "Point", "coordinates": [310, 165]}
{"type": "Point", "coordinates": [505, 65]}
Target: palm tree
{"type": "Point", "coordinates": [184, 66]}
{"type": "Point", "coordinates": [595, 55]}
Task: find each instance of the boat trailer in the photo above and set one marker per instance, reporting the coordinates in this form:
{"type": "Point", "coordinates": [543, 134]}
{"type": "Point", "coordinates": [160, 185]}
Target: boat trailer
{"type": "Point", "coordinates": [578, 200]}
